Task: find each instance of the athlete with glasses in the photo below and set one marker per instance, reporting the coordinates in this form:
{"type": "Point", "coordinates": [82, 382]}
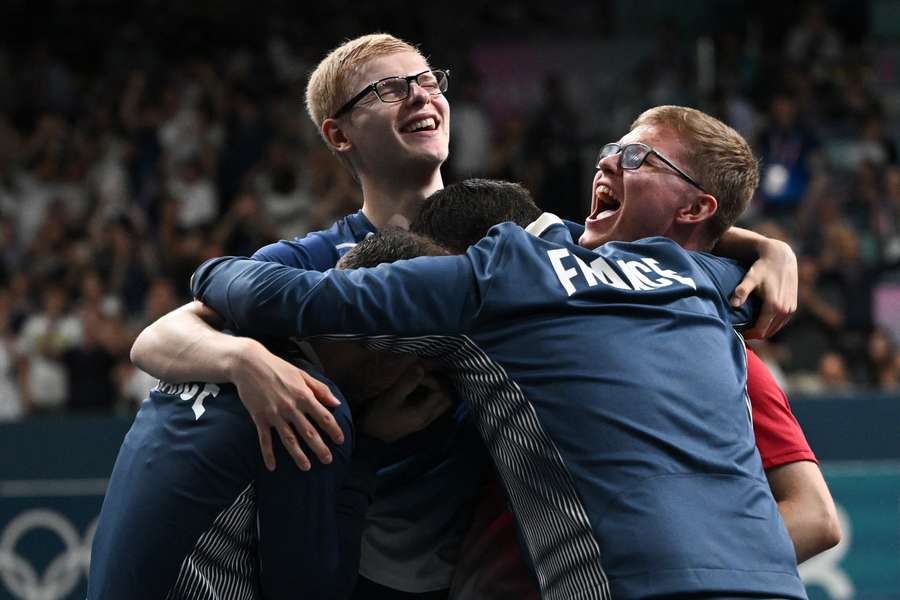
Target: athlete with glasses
{"type": "Point", "coordinates": [394, 146]}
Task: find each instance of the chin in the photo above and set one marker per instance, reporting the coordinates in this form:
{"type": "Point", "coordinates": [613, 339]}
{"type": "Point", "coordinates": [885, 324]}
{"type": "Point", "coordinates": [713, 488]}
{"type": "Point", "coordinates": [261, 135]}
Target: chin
{"type": "Point", "coordinates": [589, 240]}
{"type": "Point", "coordinates": [430, 159]}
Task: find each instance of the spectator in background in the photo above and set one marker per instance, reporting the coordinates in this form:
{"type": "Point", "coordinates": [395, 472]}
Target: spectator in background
{"type": "Point", "coordinates": [816, 325]}
{"type": "Point", "coordinates": [10, 400]}
{"type": "Point", "coordinates": [196, 198]}
{"type": "Point", "coordinates": [833, 374]}
{"type": "Point", "coordinates": [883, 360]}
{"type": "Point", "coordinates": [861, 208]}
{"type": "Point", "coordinates": [181, 249]}
{"type": "Point", "coordinates": [850, 281]}
{"type": "Point", "coordinates": [90, 364]}
{"type": "Point", "coordinates": [287, 201]}
{"type": "Point", "coordinates": [45, 337]}
{"type": "Point", "coordinates": [814, 44]}
{"type": "Point", "coordinates": [890, 381]}
{"type": "Point", "coordinates": [246, 135]}
{"type": "Point", "coordinates": [336, 193]}
{"type": "Point", "coordinates": [887, 221]}
{"type": "Point", "coordinates": [787, 151]}
{"type": "Point", "coordinates": [472, 133]}
{"type": "Point", "coordinates": [133, 384]}
{"type": "Point", "coordinates": [121, 261]}
{"type": "Point", "coordinates": [872, 145]}
{"type": "Point", "coordinates": [246, 226]}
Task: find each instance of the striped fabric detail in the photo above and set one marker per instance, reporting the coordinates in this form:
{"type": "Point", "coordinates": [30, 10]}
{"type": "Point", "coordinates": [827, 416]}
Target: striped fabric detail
{"type": "Point", "coordinates": [223, 564]}
{"type": "Point", "coordinates": [552, 518]}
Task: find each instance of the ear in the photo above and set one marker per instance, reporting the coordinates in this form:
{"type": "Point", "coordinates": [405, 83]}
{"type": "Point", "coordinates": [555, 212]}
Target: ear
{"type": "Point", "coordinates": [700, 209]}
{"type": "Point", "coordinates": [335, 136]}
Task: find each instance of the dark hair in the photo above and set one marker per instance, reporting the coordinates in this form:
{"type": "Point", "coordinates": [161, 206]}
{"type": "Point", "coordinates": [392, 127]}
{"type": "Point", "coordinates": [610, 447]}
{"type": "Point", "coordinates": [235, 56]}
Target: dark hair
{"type": "Point", "coordinates": [389, 245]}
{"type": "Point", "coordinates": [459, 215]}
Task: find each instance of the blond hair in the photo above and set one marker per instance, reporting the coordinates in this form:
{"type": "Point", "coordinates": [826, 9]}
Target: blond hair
{"type": "Point", "coordinates": [715, 155]}
{"type": "Point", "coordinates": [329, 84]}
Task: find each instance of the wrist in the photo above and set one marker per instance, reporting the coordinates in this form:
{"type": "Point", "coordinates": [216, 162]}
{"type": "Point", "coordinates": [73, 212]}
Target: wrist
{"type": "Point", "coordinates": [237, 355]}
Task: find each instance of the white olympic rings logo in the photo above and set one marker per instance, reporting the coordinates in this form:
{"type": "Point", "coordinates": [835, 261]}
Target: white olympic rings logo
{"type": "Point", "coordinates": [64, 571]}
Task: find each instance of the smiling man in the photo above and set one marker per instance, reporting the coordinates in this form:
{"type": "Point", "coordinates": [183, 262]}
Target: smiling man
{"type": "Point", "coordinates": [380, 108]}
{"type": "Point", "coordinates": [630, 465]}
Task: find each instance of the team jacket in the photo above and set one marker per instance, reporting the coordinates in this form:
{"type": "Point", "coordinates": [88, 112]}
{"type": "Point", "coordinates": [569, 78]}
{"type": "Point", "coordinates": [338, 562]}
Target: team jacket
{"type": "Point", "coordinates": [608, 385]}
{"type": "Point", "coordinates": [428, 485]}
{"type": "Point", "coordinates": [191, 512]}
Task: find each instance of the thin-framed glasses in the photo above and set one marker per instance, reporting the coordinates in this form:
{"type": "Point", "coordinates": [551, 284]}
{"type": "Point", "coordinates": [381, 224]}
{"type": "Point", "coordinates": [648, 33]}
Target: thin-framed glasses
{"type": "Point", "coordinates": [396, 89]}
{"type": "Point", "coordinates": [632, 156]}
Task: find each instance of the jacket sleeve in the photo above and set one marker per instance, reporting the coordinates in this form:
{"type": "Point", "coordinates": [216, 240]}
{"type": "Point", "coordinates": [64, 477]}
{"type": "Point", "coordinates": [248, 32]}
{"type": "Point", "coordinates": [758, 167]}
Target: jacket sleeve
{"type": "Point", "coordinates": [427, 295]}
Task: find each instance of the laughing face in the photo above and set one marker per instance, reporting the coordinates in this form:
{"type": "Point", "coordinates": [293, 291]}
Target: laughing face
{"type": "Point", "coordinates": [628, 205]}
{"type": "Point", "coordinates": [400, 137]}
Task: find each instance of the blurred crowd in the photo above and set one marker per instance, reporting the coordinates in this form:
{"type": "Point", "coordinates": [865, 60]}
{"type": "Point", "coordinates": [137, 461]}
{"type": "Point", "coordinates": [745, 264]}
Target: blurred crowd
{"type": "Point", "coordinates": [116, 181]}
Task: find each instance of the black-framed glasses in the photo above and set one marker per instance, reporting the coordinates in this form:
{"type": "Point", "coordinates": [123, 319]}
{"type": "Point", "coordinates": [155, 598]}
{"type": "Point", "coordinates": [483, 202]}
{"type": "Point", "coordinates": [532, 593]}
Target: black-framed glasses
{"type": "Point", "coordinates": [632, 156]}
{"type": "Point", "coordinates": [396, 89]}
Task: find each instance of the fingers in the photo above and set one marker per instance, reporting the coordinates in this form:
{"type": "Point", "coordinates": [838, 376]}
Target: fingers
{"type": "Point", "coordinates": [265, 445]}
{"type": "Point", "coordinates": [289, 440]}
{"type": "Point", "coordinates": [320, 391]}
{"type": "Point", "coordinates": [321, 415]}
{"type": "Point", "coordinates": [763, 322]}
{"type": "Point", "coordinates": [310, 436]}
{"type": "Point", "coordinates": [779, 321]}
{"type": "Point", "coordinates": [749, 283]}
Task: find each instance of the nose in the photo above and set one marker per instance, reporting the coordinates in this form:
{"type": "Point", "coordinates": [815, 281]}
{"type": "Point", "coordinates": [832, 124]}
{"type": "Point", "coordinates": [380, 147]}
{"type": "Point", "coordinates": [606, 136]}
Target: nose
{"type": "Point", "coordinates": [611, 163]}
{"type": "Point", "coordinates": [417, 95]}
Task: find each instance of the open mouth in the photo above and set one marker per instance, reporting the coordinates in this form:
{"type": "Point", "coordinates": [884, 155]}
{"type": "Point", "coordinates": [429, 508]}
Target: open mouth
{"type": "Point", "coordinates": [605, 203]}
{"type": "Point", "coordinates": [429, 124]}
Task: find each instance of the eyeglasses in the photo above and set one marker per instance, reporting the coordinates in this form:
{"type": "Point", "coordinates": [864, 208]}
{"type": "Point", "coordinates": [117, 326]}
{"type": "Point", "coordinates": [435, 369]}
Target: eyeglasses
{"type": "Point", "coordinates": [396, 89]}
{"type": "Point", "coordinates": [633, 156]}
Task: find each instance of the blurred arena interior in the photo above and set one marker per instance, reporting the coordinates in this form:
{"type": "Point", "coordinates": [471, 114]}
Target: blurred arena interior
{"type": "Point", "coordinates": [138, 139]}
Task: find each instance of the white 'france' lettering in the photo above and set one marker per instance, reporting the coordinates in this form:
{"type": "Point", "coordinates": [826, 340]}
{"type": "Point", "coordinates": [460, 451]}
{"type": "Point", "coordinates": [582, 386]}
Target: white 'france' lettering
{"type": "Point", "coordinates": [564, 275]}
{"type": "Point", "coordinates": [607, 274]}
{"type": "Point", "coordinates": [601, 271]}
{"type": "Point", "coordinates": [586, 271]}
{"type": "Point", "coordinates": [635, 278]}
{"type": "Point", "coordinates": [670, 273]}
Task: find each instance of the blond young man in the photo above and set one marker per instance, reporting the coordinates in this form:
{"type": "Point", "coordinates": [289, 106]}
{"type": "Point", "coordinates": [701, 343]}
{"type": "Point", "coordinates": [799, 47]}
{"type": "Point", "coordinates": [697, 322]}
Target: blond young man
{"type": "Point", "coordinates": [394, 146]}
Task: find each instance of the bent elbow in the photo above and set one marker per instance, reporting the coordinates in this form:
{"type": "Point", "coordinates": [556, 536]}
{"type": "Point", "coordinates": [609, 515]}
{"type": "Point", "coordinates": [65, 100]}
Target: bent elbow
{"type": "Point", "coordinates": [831, 532]}
{"type": "Point", "coordinates": [137, 354]}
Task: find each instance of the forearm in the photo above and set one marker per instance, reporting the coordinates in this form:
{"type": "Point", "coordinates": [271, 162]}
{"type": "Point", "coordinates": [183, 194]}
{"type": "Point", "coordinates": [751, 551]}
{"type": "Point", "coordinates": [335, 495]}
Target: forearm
{"type": "Point", "coordinates": [806, 530]}
{"type": "Point", "coordinates": [741, 244]}
{"type": "Point", "coordinates": [275, 300]}
{"type": "Point", "coordinates": [806, 506]}
{"type": "Point", "coordinates": [184, 346]}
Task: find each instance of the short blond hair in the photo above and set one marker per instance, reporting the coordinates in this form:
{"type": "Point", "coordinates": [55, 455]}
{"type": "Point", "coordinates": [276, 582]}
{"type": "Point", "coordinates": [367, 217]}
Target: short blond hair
{"type": "Point", "coordinates": [716, 155]}
{"type": "Point", "coordinates": [329, 84]}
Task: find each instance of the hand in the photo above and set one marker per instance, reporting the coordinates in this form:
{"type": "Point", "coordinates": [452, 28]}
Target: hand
{"type": "Point", "coordinates": [412, 404]}
{"type": "Point", "coordinates": [774, 277]}
{"type": "Point", "coordinates": [278, 394]}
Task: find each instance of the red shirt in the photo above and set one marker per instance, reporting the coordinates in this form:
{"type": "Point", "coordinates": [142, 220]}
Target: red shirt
{"type": "Point", "coordinates": [778, 435]}
{"type": "Point", "coordinates": [490, 565]}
